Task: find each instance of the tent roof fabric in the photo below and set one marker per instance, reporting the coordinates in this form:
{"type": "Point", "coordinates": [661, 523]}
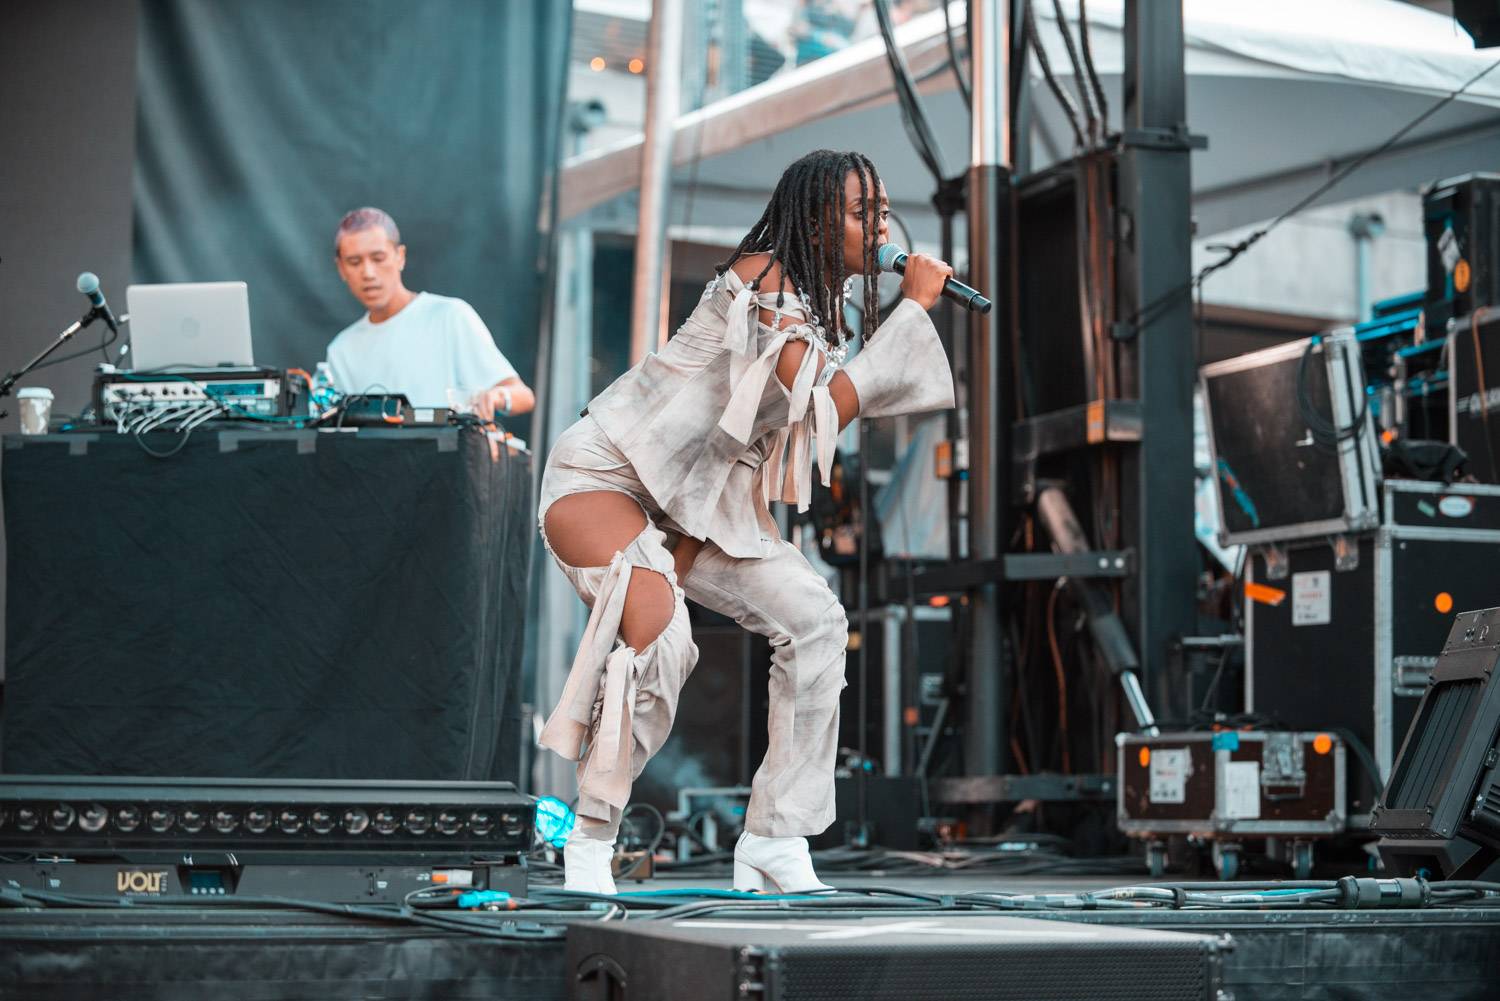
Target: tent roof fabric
{"type": "Point", "coordinates": [1286, 91]}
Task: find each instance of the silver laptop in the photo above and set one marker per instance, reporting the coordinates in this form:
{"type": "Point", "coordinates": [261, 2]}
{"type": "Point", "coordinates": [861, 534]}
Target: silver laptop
{"type": "Point", "coordinates": [189, 325]}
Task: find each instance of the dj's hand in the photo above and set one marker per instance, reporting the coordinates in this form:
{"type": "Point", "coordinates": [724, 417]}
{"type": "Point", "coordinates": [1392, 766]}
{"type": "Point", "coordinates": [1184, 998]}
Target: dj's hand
{"type": "Point", "coordinates": [923, 280]}
{"type": "Point", "coordinates": [489, 402]}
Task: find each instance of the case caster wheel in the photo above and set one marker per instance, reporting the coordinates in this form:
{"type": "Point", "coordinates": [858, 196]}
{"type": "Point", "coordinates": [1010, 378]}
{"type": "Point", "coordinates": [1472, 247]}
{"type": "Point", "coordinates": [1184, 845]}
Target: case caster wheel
{"type": "Point", "coordinates": [1227, 861]}
{"type": "Point", "coordinates": [1156, 859]}
{"type": "Point", "coordinates": [1302, 859]}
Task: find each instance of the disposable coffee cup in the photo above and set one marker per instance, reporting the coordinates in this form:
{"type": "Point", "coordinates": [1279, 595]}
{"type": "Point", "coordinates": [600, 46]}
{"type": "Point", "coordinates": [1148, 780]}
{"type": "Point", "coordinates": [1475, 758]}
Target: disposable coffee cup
{"type": "Point", "coordinates": [36, 409]}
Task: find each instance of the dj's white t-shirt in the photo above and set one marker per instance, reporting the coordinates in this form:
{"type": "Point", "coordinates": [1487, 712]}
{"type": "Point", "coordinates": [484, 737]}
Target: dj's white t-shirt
{"type": "Point", "coordinates": [434, 344]}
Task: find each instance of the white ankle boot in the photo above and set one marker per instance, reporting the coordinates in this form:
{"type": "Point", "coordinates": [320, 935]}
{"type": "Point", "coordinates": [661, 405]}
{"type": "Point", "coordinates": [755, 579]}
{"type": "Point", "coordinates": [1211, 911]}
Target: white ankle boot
{"type": "Point", "coordinates": [774, 865]}
{"type": "Point", "coordinates": [586, 864]}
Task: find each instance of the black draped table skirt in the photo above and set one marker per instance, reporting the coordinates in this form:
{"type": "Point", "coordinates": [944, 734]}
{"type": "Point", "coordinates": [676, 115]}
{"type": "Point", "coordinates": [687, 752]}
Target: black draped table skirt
{"type": "Point", "coordinates": [292, 604]}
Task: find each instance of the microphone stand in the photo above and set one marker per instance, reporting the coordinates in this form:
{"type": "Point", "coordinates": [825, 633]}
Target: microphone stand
{"type": "Point", "coordinates": [12, 378]}
{"type": "Point", "coordinates": [860, 835]}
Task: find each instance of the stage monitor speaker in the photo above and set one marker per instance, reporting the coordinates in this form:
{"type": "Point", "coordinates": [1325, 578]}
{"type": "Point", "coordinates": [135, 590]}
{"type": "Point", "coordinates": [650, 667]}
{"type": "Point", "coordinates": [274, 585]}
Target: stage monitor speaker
{"type": "Point", "coordinates": [976, 958]}
{"type": "Point", "coordinates": [1481, 19]}
{"type": "Point", "coordinates": [1440, 813]}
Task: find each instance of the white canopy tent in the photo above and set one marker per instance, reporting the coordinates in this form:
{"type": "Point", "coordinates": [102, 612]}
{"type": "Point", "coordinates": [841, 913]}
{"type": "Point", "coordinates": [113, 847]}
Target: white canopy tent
{"type": "Point", "coordinates": [1285, 90]}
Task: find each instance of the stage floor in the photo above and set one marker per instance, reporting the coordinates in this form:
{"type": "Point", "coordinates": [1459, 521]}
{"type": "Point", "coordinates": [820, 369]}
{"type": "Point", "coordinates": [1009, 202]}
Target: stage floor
{"type": "Point", "coordinates": [938, 882]}
{"type": "Point", "coordinates": [230, 952]}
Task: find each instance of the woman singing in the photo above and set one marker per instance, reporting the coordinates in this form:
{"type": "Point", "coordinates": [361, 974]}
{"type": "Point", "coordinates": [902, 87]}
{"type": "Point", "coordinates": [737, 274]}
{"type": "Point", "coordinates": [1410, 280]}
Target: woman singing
{"type": "Point", "coordinates": [662, 490]}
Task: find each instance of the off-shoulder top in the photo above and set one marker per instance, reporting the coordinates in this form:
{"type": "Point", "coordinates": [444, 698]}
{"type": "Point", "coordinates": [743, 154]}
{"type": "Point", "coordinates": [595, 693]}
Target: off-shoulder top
{"type": "Point", "coordinates": [710, 430]}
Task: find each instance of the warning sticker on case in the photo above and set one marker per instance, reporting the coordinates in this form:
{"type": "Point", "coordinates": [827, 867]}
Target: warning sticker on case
{"type": "Point", "coordinates": [1169, 775]}
{"type": "Point", "coordinates": [1447, 245]}
{"type": "Point", "coordinates": [1312, 598]}
{"type": "Point", "coordinates": [1242, 790]}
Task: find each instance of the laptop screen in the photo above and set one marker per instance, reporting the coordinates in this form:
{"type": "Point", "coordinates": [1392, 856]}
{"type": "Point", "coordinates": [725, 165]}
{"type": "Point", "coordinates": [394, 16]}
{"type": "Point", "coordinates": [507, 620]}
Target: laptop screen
{"type": "Point", "coordinates": [189, 325]}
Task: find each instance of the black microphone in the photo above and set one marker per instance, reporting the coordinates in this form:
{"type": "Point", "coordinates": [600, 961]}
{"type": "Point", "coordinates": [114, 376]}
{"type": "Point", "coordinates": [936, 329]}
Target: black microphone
{"type": "Point", "coordinates": [88, 284]}
{"type": "Point", "coordinates": [893, 258]}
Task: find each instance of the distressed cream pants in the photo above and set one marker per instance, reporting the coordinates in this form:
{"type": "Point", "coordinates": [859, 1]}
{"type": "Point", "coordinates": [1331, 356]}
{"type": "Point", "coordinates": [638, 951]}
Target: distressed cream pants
{"type": "Point", "coordinates": [618, 704]}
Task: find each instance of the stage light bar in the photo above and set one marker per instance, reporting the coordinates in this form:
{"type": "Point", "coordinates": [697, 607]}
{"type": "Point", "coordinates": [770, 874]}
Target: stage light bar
{"type": "Point", "coordinates": [66, 815]}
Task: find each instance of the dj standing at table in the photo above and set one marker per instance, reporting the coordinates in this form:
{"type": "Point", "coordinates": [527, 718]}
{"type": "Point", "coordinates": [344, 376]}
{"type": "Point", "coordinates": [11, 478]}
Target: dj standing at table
{"type": "Point", "coordinates": [415, 343]}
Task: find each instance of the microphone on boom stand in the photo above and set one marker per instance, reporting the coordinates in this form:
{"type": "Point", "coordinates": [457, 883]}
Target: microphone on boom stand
{"type": "Point", "coordinates": [88, 284]}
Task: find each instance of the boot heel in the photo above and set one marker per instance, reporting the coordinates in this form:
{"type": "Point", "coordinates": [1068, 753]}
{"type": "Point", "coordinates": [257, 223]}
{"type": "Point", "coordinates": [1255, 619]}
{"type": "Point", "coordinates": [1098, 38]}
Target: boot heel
{"type": "Point", "coordinates": [775, 865]}
{"type": "Point", "coordinates": [748, 879]}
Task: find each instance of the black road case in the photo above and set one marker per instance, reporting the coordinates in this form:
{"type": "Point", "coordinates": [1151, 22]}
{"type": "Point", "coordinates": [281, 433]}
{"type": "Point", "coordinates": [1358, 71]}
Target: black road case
{"type": "Point", "coordinates": [1461, 220]}
{"type": "Point", "coordinates": [1343, 633]}
{"type": "Point", "coordinates": [1474, 391]}
{"type": "Point", "coordinates": [1229, 787]}
{"type": "Point", "coordinates": [1273, 478]}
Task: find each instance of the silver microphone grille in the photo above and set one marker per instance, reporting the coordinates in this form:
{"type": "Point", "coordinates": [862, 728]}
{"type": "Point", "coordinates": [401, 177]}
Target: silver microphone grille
{"type": "Point", "coordinates": [890, 254]}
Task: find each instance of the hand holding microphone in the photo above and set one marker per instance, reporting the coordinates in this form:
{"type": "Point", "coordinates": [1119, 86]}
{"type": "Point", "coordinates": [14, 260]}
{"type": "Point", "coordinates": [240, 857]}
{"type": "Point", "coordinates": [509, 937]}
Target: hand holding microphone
{"type": "Point", "coordinates": [922, 279]}
{"type": "Point", "coordinates": [925, 278]}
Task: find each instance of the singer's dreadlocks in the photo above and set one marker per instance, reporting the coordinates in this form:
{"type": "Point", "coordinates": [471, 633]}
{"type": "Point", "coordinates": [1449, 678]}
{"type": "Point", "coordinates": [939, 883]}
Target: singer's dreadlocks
{"type": "Point", "coordinates": [802, 229]}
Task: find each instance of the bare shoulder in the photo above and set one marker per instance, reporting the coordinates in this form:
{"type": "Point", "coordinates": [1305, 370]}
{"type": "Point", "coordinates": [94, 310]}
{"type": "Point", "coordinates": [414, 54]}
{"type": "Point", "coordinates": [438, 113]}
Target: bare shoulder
{"type": "Point", "coordinates": [751, 265]}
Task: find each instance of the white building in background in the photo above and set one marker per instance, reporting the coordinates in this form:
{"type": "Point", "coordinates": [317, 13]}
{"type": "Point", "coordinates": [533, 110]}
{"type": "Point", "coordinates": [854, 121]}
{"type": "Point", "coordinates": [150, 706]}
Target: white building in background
{"type": "Point", "coordinates": [1308, 265]}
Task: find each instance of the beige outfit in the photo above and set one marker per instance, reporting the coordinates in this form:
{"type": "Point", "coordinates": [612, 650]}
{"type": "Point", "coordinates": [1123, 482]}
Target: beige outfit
{"type": "Point", "coordinates": [703, 435]}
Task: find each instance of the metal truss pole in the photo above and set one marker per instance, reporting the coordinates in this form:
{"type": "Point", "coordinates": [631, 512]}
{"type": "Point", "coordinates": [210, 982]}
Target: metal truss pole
{"type": "Point", "coordinates": [663, 98]}
{"type": "Point", "coordinates": [989, 221]}
{"type": "Point", "coordinates": [1155, 265]}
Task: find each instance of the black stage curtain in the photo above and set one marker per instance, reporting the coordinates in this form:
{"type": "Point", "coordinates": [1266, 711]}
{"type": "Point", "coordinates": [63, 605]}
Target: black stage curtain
{"type": "Point", "coordinates": [259, 124]}
{"type": "Point", "coordinates": [266, 604]}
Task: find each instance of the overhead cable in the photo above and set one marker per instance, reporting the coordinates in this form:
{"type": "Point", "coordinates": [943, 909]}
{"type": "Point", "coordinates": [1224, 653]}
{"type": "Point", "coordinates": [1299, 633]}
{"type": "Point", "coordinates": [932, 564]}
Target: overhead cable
{"type": "Point", "coordinates": [912, 116]}
{"type": "Point", "coordinates": [1083, 91]}
{"type": "Point", "coordinates": [1088, 62]}
{"type": "Point", "coordinates": [1232, 252]}
{"type": "Point", "coordinates": [958, 72]}
{"type": "Point", "coordinates": [1070, 107]}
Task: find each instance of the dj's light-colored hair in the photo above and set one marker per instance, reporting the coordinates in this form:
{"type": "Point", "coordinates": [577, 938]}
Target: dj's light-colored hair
{"type": "Point", "coordinates": [366, 218]}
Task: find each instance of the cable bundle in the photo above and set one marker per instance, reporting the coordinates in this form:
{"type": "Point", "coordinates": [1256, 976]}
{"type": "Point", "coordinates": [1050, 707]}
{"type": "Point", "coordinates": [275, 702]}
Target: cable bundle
{"type": "Point", "coordinates": [1325, 432]}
